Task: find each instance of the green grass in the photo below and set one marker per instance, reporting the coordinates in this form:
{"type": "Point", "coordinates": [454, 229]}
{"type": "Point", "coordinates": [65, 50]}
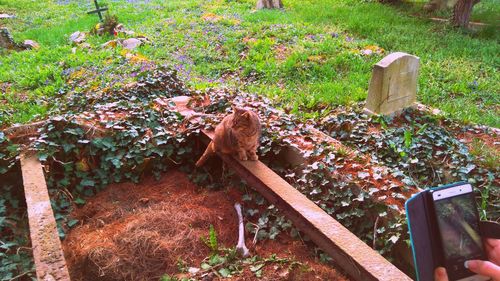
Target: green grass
{"type": "Point", "coordinates": [487, 155]}
{"type": "Point", "coordinates": [290, 55]}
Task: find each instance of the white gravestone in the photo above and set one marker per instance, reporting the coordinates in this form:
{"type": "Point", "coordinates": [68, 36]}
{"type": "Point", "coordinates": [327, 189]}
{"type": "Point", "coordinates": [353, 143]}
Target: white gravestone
{"type": "Point", "coordinates": [394, 84]}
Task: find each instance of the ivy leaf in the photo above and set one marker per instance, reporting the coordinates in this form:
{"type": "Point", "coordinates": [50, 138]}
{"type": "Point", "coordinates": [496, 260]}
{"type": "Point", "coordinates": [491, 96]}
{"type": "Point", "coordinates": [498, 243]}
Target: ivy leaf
{"type": "Point", "coordinates": [215, 260]}
{"type": "Point", "coordinates": [468, 168]}
{"type": "Point", "coordinates": [72, 223]}
{"type": "Point", "coordinates": [87, 182]}
{"type": "Point", "coordinates": [225, 272]}
{"type": "Point", "coordinates": [363, 175]}
{"type": "Point", "coordinates": [205, 266]}
{"type": "Point", "coordinates": [252, 212]}
{"type": "Point", "coordinates": [42, 156]}
{"type": "Point", "coordinates": [262, 234]}
{"type": "Point", "coordinates": [79, 201]}
{"type": "Point", "coordinates": [68, 147]}
{"type": "Point", "coordinates": [394, 239]}
{"type": "Point", "coordinates": [116, 162]}
{"type": "Point", "coordinates": [257, 267]}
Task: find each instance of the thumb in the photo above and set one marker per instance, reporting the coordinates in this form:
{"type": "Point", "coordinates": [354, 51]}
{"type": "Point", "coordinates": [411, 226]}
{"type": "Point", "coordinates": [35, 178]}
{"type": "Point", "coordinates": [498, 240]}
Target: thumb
{"type": "Point", "coordinates": [485, 268]}
{"type": "Point", "coordinates": [440, 274]}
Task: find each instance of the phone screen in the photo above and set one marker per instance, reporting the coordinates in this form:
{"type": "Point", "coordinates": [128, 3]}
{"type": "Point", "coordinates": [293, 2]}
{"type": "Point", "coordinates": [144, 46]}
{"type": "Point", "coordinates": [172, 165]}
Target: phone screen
{"type": "Point", "coordinates": [458, 224]}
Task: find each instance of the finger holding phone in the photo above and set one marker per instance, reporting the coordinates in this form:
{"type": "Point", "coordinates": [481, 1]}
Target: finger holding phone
{"type": "Point", "coordinates": [445, 232]}
{"type": "Point", "coordinates": [463, 253]}
{"type": "Point", "coordinates": [489, 268]}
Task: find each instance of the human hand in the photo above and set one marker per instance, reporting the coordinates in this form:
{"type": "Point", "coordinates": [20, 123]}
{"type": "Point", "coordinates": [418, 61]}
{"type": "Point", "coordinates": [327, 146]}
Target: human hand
{"type": "Point", "coordinates": [489, 268]}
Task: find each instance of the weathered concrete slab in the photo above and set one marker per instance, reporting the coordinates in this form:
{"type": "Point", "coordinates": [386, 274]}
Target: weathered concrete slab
{"type": "Point", "coordinates": [348, 251]}
{"type": "Point", "coordinates": [393, 86]}
{"type": "Point", "coordinates": [47, 251]}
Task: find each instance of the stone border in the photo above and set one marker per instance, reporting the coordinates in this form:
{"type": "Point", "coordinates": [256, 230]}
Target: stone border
{"type": "Point", "coordinates": [348, 251]}
{"type": "Point", "coordinates": [21, 134]}
{"type": "Point", "coordinates": [47, 251]}
{"type": "Point", "coordinates": [355, 257]}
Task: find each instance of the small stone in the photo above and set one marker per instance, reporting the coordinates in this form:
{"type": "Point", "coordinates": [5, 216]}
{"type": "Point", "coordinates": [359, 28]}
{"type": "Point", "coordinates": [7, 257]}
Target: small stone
{"type": "Point", "coordinates": [111, 43]}
{"type": "Point", "coordinates": [208, 276]}
{"type": "Point", "coordinates": [436, 111]}
{"type": "Point", "coordinates": [6, 16]}
{"type": "Point", "coordinates": [30, 44]}
{"type": "Point", "coordinates": [193, 270]}
{"type": "Point", "coordinates": [284, 274]}
{"type": "Point", "coordinates": [77, 37]}
{"type": "Point", "coordinates": [121, 29]}
{"type": "Point", "coordinates": [211, 17]}
{"type": "Point", "coordinates": [131, 43]}
{"type": "Point", "coordinates": [143, 39]}
{"type": "Point", "coordinates": [363, 175]}
{"type": "Point", "coordinates": [85, 46]}
{"type": "Point", "coordinates": [367, 52]}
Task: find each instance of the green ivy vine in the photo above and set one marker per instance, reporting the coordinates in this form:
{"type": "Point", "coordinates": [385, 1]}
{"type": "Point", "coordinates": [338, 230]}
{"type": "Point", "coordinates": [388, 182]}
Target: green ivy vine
{"type": "Point", "coordinates": [143, 136]}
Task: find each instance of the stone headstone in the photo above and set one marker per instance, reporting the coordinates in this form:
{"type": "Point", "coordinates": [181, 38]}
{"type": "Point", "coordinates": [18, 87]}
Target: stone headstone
{"type": "Point", "coordinates": [394, 84]}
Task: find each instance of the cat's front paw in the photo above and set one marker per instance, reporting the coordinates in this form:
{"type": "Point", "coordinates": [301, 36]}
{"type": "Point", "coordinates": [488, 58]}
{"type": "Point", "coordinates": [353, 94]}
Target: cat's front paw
{"type": "Point", "coordinates": [242, 155]}
{"type": "Point", "coordinates": [254, 157]}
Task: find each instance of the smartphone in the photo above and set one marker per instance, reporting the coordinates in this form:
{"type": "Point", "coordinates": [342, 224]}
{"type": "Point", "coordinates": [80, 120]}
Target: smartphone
{"type": "Point", "coordinates": [458, 225]}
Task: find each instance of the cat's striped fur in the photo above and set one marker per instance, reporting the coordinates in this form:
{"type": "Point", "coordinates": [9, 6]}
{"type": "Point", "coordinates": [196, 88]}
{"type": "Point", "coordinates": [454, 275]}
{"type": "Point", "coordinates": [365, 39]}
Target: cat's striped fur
{"type": "Point", "coordinates": [238, 133]}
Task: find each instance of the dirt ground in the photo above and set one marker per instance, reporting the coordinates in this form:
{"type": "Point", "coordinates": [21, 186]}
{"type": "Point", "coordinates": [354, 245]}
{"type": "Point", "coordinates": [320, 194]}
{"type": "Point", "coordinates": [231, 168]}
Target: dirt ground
{"type": "Point", "coordinates": [143, 231]}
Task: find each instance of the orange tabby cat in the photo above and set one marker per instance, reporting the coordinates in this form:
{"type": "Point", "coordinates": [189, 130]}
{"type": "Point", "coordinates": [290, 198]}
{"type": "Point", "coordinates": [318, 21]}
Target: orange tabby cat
{"type": "Point", "coordinates": [239, 133]}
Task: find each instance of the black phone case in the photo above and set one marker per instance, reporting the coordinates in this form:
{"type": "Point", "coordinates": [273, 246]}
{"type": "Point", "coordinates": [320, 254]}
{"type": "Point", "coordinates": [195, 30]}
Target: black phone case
{"type": "Point", "coordinates": [424, 234]}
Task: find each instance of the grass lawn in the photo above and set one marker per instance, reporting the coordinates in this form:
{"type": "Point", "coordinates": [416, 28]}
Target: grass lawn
{"type": "Point", "coordinates": [309, 57]}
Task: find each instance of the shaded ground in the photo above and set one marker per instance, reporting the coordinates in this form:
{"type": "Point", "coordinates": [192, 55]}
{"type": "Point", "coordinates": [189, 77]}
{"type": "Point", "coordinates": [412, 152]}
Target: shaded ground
{"type": "Point", "coordinates": [141, 232]}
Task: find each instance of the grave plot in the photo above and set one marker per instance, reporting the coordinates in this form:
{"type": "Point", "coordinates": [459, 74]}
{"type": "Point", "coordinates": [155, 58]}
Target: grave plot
{"type": "Point", "coordinates": [155, 229]}
{"type": "Point", "coordinates": [421, 149]}
{"type": "Point", "coordinates": [150, 135]}
{"type": "Point", "coordinates": [338, 179]}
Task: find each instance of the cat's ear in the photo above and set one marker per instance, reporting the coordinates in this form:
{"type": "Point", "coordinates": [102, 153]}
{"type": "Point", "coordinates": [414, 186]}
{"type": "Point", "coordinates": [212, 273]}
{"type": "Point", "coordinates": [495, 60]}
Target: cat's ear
{"type": "Point", "coordinates": [246, 115]}
{"type": "Point", "coordinates": [237, 110]}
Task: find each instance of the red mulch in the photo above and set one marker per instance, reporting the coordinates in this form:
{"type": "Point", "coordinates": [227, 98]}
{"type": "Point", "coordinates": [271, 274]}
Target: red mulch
{"type": "Point", "coordinates": [140, 231]}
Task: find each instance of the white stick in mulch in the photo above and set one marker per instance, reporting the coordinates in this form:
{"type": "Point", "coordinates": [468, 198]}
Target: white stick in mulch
{"type": "Point", "coordinates": [241, 247]}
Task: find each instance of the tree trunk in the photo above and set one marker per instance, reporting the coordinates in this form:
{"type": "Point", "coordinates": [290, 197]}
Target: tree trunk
{"type": "Point", "coordinates": [269, 4]}
{"type": "Point", "coordinates": [462, 11]}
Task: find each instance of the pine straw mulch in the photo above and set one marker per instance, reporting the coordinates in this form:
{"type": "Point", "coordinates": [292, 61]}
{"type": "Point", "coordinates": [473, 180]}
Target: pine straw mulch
{"type": "Point", "coordinates": [142, 231]}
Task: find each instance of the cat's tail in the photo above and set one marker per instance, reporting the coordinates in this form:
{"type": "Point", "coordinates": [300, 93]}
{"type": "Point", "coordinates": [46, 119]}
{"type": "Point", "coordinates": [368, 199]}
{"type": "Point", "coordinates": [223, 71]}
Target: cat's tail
{"type": "Point", "coordinates": [208, 152]}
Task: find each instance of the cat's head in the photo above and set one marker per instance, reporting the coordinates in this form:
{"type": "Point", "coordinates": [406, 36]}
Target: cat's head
{"type": "Point", "coordinates": [242, 119]}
